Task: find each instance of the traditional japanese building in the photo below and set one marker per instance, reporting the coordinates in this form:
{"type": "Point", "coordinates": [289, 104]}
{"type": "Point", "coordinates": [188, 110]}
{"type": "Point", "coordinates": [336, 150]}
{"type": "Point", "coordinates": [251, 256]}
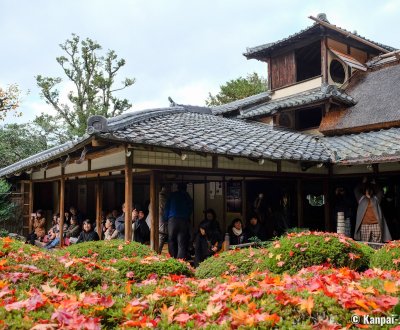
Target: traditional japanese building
{"type": "Point", "coordinates": [331, 116]}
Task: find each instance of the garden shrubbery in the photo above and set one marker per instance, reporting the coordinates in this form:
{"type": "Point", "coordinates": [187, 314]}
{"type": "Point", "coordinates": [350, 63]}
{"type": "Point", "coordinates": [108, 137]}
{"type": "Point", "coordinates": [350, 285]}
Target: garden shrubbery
{"type": "Point", "coordinates": [387, 257]}
{"type": "Point", "coordinates": [291, 253]}
{"type": "Point", "coordinates": [106, 250]}
{"type": "Point", "coordinates": [296, 251]}
{"type": "Point", "coordinates": [233, 262]}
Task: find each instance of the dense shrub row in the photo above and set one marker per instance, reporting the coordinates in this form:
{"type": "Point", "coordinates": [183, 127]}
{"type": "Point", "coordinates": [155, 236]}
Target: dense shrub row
{"type": "Point", "coordinates": [290, 254]}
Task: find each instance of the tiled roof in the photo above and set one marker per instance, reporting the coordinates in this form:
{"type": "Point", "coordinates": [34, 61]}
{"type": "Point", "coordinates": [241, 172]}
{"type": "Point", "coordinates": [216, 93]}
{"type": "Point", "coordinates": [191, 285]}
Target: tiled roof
{"type": "Point", "coordinates": [240, 104]}
{"type": "Point", "coordinates": [303, 98]}
{"type": "Point", "coordinates": [217, 135]}
{"type": "Point", "coordinates": [370, 147]}
{"type": "Point", "coordinates": [252, 52]}
{"type": "Point", "coordinates": [43, 156]}
{"type": "Point", "coordinates": [378, 97]}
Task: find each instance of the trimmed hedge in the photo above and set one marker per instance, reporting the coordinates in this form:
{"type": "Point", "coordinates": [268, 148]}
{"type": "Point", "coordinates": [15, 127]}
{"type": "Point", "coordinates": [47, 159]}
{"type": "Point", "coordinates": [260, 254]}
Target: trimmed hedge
{"type": "Point", "coordinates": [296, 251]}
{"type": "Point", "coordinates": [233, 262]}
{"type": "Point", "coordinates": [106, 250]}
{"type": "Point", "coordinates": [387, 257]}
{"type": "Point", "coordinates": [290, 254]}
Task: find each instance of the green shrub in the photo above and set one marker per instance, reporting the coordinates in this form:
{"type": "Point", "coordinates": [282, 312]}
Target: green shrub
{"type": "Point", "coordinates": [387, 257]}
{"type": "Point", "coordinates": [305, 249]}
{"type": "Point", "coordinates": [106, 250]}
{"type": "Point", "coordinates": [233, 262]}
{"type": "Point", "coordinates": [140, 268]}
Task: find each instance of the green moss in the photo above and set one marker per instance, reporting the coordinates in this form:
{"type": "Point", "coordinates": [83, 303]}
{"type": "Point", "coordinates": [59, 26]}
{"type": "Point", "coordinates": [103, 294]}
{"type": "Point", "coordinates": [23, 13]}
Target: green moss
{"type": "Point", "coordinates": [387, 257]}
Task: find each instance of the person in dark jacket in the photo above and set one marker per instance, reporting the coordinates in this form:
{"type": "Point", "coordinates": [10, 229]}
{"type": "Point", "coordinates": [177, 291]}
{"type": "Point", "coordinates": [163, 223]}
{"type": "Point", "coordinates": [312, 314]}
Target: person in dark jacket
{"type": "Point", "coordinates": [177, 212]}
{"type": "Point", "coordinates": [88, 234]}
{"type": "Point", "coordinates": [235, 231]}
{"type": "Point", "coordinates": [206, 244]}
{"type": "Point", "coordinates": [120, 224]}
{"type": "Point", "coordinates": [141, 229]}
{"type": "Point", "coordinates": [254, 229]}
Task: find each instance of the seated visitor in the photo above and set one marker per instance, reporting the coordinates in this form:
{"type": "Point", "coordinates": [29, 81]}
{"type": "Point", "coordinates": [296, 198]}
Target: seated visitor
{"type": "Point", "coordinates": [141, 229]}
{"type": "Point", "coordinates": [235, 231]}
{"type": "Point", "coordinates": [39, 228]}
{"type": "Point", "coordinates": [54, 240]}
{"type": "Point", "coordinates": [110, 232]}
{"type": "Point", "coordinates": [73, 231]}
{"type": "Point", "coordinates": [254, 229]}
{"type": "Point", "coordinates": [206, 243]}
{"type": "Point", "coordinates": [87, 234]}
{"type": "Point", "coordinates": [51, 233]}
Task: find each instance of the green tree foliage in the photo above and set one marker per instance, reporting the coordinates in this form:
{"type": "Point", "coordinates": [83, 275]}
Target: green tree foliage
{"type": "Point", "coordinates": [93, 76]}
{"type": "Point", "coordinates": [6, 206]}
{"type": "Point", "coordinates": [9, 100]}
{"type": "Point", "coordinates": [238, 89]}
{"type": "Point", "coordinates": [18, 142]}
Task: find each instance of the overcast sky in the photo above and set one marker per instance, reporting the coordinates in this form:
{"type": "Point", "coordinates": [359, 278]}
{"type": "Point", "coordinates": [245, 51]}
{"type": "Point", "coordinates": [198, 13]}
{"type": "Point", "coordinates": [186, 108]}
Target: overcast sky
{"type": "Point", "coordinates": [178, 48]}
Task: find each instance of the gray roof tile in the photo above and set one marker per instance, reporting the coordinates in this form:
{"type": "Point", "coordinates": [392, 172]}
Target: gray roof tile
{"type": "Point", "coordinates": [303, 98]}
{"type": "Point", "coordinates": [240, 104]}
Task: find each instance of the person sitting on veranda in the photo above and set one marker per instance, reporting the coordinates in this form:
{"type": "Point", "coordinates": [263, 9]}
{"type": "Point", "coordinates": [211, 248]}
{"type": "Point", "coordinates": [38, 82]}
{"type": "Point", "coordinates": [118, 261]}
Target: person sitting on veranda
{"type": "Point", "coordinates": [51, 233]}
{"type": "Point", "coordinates": [254, 230]}
{"type": "Point", "coordinates": [206, 244]}
{"type": "Point", "coordinates": [110, 232]}
{"type": "Point", "coordinates": [141, 229]}
{"type": "Point", "coordinates": [235, 231]}
{"type": "Point", "coordinates": [87, 234]}
{"type": "Point", "coordinates": [71, 234]}
{"type": "Point", "coordinates": [39, 228]}
{"type": "Point", "coordinates": [56, 234]}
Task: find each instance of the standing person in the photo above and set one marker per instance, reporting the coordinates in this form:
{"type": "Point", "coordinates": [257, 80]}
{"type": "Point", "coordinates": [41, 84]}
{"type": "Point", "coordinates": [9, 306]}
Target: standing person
{"type": "Point", "coordinates": [88, 234]}
{"type": "Point", "coordinates": [370, 224]}
{"type": "Point", "coordinates": [39, 228]}
{"type": "Point", "coordinates": [163, 225]}
{"type": "Point", "coordinates": [177, 212]}
{"type": "Point", "coordinates": [260, 207]}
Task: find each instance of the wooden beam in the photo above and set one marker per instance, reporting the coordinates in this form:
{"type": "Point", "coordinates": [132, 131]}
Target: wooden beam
{"type": "Point", "coordinates": [128, 194]}
{"type": "Point", "coordinates": [62, 207]}
{"type": "Point", "coordinates": [244, 200]}
{"type": "Point", "coordinates": [324, 59]}
{"type": "Point", "coordinates": [348, 34]}
{"type": "Point", "coordinates": [99, 206]}
{"type": "Point", "coordinates": [154, 230]}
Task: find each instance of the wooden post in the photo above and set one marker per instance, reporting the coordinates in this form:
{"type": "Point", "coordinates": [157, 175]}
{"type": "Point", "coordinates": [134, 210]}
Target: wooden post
{"type": "Point", "coordinates": [99, 206]}
{"type": "Point", "coordinates": [224, 183]}
{"type": "Point", "coordinates": [30, 204]}
{"type": "Point", "coordinates": [128, 193]}
{"type": "Point", "coordinates": [324, 58]}
{"type": "Point", "coordinates": [244, 200]}
{"type": "Point", "coordinates": [300, 220]}
{"type": "Point", "coordinates": [62, 206]}
{"type": "Point", "coordinates": [327, 206]}
{"type": "Point", "coordinates": [154, 230]}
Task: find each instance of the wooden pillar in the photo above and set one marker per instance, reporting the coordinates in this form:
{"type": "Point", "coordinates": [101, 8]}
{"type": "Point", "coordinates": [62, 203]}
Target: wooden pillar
{"type": "Point", "coordinates": [324, 59]}
{"type": "Point", "coordinates": [30, 204]}
{"type": "Point", "coordinates": [99, 206]}
{"type": "Point", "coordinates": [244, 200]}
{"type": "Point", "coordinates": [300, 220]}
{"type": "Point", "coordinates": [154, 230]}
{"type": "Point", "coordinates": [62, 206]}
{"type": "Point", "coordinates": [128, 193]}
{"type": "Point", "coordinates": [224, 205]}
{"type": "Point", "coordinates": [327, 213]}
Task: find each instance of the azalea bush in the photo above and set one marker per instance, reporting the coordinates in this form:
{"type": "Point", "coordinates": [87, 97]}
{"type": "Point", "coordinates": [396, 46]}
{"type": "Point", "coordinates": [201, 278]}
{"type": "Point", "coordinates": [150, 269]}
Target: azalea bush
{"type": "Point", "coordinates": [298, 250]}
{"type": "Point", "coordinates": [105, 250]}
{"type": "Point", "coordinates": [232, 262]}
{"type": "Point", "coordinates": [314, 298]}
{"type": "Point", "coordinates": [387, 257]}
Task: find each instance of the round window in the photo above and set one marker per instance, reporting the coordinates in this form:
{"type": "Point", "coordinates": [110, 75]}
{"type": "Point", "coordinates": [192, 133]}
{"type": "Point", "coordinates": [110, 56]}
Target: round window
{"type": "Point", "coordinates": [337, 72]}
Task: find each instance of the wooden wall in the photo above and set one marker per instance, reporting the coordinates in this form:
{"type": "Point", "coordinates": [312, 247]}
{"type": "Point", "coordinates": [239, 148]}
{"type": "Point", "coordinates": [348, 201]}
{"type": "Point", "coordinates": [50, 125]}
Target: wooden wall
{"type": "Point", "coordinates": [283, 70]}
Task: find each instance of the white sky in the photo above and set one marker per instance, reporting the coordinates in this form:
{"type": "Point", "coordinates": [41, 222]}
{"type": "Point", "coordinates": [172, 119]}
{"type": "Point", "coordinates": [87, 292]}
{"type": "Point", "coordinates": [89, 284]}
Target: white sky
{"type": "Point", "coordinates": [178, 48]}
